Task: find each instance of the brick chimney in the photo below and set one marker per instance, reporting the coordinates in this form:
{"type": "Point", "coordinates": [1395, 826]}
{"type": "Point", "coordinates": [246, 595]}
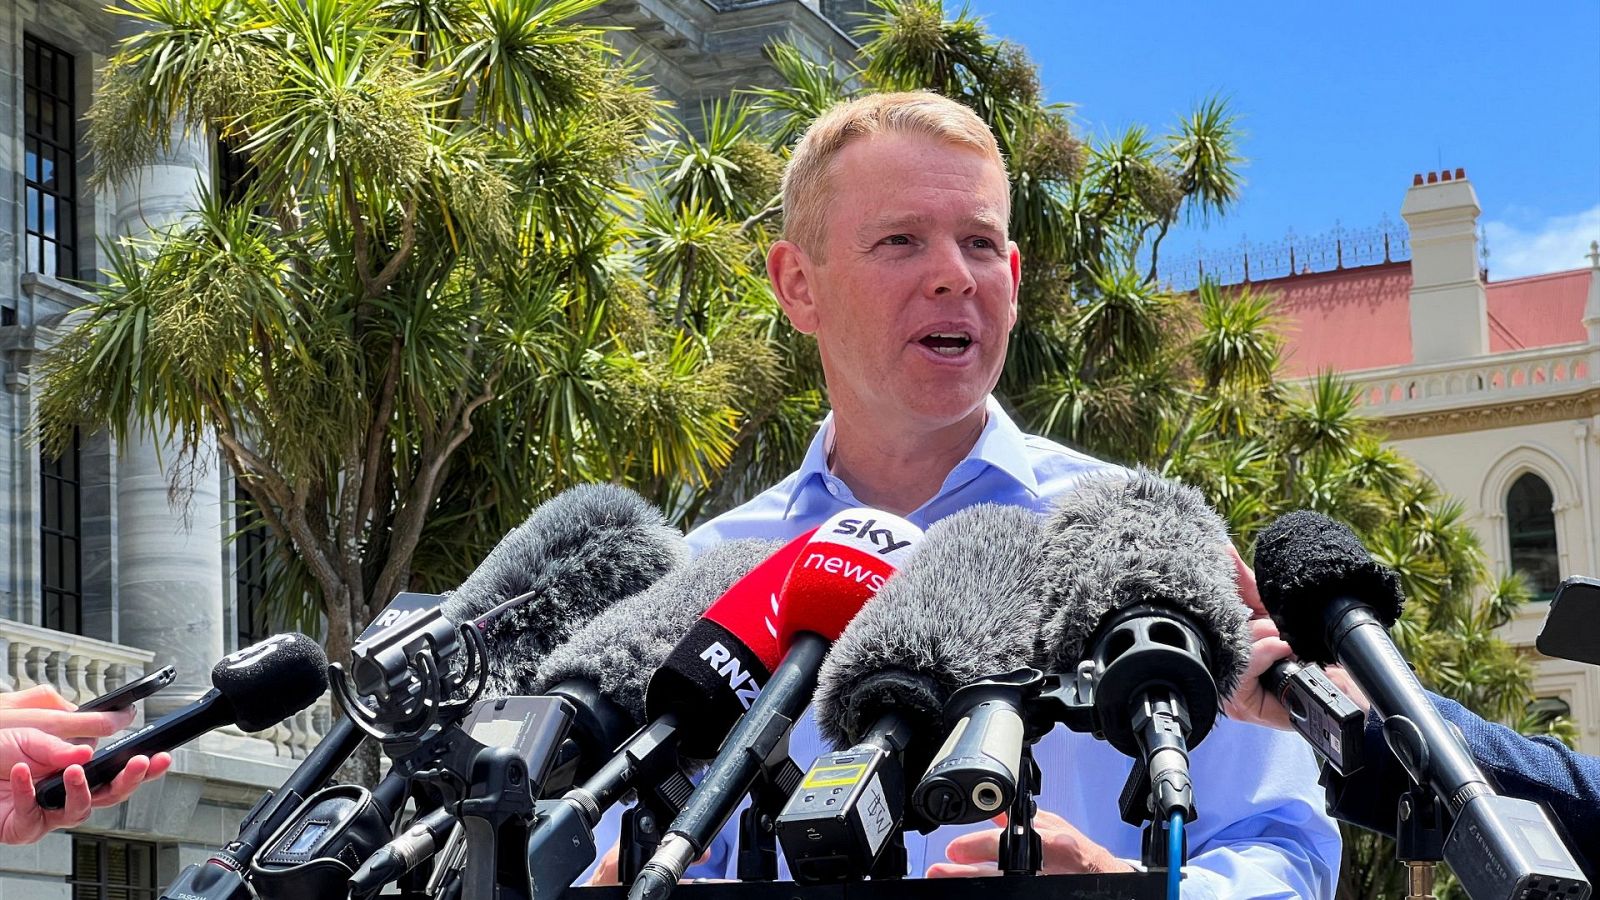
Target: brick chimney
{"type": "Point", "coordinates": [1449, 311]}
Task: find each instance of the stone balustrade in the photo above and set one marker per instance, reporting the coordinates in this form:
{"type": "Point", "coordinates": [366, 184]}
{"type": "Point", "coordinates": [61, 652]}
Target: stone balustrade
{"type": "Point", "coordinates": [1506, 377]}
{"type": "Point", "coordinates": [80, 668]}
{"type": "Point", "coordinates": [295, 736]}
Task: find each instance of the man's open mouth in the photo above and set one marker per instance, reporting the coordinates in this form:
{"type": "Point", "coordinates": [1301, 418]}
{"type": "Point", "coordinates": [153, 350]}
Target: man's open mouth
{"type": "Point", "coordinates": [947, 343]}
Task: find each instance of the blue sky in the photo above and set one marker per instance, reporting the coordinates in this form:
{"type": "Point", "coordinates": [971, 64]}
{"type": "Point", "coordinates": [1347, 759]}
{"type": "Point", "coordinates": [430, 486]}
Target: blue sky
{"type": "Point", "coordinates": [1341, 105]}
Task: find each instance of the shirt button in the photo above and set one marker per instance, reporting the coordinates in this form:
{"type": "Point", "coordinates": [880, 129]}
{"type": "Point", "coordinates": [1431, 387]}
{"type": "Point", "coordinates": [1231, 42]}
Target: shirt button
{"type": "Point", "coordinates": [833, 489]}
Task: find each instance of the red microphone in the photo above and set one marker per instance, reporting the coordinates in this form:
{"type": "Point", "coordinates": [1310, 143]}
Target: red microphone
{"type": "Point", "coordinates": [834, 574]}
{"type": "Point", "coordinates": [716, 671]}
{"type": "Point", "coordinates": [847, 560]}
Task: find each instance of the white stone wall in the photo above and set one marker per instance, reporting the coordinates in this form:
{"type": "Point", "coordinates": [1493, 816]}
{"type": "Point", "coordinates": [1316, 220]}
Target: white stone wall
{"type": "Point", "coordinates": [1478, 467]}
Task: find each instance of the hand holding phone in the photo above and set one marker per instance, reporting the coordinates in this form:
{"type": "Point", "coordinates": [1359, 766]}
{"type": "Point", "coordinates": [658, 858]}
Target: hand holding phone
{"type": "Point", "coordinates": [37, 727]}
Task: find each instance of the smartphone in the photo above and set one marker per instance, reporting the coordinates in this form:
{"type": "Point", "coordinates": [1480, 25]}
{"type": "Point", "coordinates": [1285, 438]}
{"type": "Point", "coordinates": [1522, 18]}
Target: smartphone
{"type": "Point", "coordinates": [1572, 627]}
{"type": "Point", "coordinates": [132, 692]}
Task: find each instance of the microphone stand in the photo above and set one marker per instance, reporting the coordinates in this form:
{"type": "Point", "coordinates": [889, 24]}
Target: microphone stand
{"type": "Point", "coordinates": [492, 788]}
{"type": "Point", "coordinates": [1021, 850]}
{"type": "Point", "coordinates": [1071, 700]}
{"type": "Point", "coordinates": [1419, 840]}
{"type": "Point", "coordinates": [780, 776]}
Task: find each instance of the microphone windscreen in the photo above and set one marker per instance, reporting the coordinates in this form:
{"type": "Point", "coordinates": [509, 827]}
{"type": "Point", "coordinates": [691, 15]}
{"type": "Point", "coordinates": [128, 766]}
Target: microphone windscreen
{"type": "Point", "coordinates": [1132, 537]}
{"type": "Point", "coordinates": [578, 553]}
{"type": "Point", "coordinates": [964, 606]}
{"type": "Point", "coordinates": [848, 559]}
{"type": "Point", "coordinates": [1305, 561]}
{"type": "Point", "coordinates": [622, 647]}
{"type": "Point", "coordinates": [714, 672]}
{"type": "Point", "coordinates": [271, 680]}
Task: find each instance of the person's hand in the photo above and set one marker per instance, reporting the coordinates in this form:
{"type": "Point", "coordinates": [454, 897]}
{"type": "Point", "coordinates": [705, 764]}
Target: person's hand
{"type": "Point", "coordinates": [1066, 851]}
{"type": "Point", "coordinates": [42, 708]}
{"type": "Point", "coordinates": [27, 753]}
{"type": "Point", "coordinates": [1251, 702]}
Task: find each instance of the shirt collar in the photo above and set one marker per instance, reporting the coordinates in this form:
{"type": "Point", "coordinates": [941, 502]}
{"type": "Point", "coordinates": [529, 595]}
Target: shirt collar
{"type": "Point", "coordinates": [1001, 445]}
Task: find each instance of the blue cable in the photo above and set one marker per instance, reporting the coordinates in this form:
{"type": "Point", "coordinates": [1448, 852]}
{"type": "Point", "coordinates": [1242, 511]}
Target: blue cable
{"type": "Point", "coordinates": [1174, 855]}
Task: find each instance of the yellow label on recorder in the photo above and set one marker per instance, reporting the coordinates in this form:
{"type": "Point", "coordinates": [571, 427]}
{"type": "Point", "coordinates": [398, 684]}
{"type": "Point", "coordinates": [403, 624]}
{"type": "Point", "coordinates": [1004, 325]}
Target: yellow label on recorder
{"type": "Point", "coordinates": [833, 776]}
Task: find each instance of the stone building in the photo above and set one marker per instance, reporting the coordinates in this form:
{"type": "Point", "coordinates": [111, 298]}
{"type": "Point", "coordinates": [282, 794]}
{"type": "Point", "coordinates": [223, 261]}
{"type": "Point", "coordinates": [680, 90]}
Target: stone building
{"type": "Point", "coordinates": [103, 579]}
{"type": "Point", "coordinates": [1491, 386]}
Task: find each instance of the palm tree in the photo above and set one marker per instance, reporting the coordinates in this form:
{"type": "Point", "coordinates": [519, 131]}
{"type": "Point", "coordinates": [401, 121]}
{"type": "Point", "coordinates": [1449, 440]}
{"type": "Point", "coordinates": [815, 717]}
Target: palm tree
{"type": "Point", "coordinates": [423, 316]}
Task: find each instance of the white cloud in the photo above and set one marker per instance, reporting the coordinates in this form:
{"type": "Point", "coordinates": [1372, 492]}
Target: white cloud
{"type": "Point", "coordinates": [1554, 245]}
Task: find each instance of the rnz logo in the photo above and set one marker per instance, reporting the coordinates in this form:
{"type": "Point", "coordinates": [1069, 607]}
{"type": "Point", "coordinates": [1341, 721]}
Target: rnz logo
{"type": "Point", "coordinates": [724, 663]}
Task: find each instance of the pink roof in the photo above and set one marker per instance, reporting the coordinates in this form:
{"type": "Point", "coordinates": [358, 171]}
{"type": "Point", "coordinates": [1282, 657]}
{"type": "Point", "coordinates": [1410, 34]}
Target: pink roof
{"type": "Point", "coordinates": [1537, 311]}
{"type": "Point", "coordinates": [1354, 319]}
{"type": "Point", "coordinates": [1346, 319]}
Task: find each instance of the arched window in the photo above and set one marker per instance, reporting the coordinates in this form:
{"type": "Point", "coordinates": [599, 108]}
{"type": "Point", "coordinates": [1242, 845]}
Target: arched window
{"type": "Point", "coordinates": [1531, 523]}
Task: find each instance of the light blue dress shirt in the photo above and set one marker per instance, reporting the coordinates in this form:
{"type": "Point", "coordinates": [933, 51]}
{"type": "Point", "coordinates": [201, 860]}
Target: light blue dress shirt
{"type": "Point", "coordinates": [1261, 830]}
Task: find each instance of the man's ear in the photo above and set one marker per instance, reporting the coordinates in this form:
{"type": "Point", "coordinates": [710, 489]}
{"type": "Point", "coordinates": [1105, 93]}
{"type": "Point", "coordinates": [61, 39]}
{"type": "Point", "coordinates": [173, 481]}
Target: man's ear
{"type": "Point", "coordinates": [789, 270]}
{"type": "Point", "coordinates": [1015, 255]}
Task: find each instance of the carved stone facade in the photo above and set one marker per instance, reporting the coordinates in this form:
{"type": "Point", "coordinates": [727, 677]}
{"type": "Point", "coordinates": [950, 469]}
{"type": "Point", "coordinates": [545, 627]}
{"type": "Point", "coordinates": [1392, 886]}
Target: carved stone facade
{"type": "Point", "coordinates": [701, 51]}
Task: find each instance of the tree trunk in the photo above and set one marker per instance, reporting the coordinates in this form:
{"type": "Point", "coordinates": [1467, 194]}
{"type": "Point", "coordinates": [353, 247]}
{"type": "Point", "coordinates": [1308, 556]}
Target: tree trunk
{"type": "Point", "coordinates": [363, 766]}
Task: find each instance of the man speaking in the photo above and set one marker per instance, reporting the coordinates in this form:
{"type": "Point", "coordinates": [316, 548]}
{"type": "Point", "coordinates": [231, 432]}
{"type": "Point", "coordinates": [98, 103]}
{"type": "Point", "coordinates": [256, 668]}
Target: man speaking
{"type": "Point", "coordinates": [896, 259]}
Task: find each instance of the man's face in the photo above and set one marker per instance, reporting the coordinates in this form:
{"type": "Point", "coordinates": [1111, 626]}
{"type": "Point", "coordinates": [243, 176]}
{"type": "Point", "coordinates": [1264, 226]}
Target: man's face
{"type": "Point", "coordinates": [915, 291]}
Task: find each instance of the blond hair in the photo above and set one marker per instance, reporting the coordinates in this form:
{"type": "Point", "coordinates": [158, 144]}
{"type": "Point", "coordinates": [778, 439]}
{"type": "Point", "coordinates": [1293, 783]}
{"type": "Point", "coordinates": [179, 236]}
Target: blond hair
{"type": "Point", "coordinates": [806, 188]}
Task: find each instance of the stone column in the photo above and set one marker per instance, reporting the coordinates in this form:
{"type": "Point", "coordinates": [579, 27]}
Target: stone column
{"type": "Point", "coordinates": [169, 571]}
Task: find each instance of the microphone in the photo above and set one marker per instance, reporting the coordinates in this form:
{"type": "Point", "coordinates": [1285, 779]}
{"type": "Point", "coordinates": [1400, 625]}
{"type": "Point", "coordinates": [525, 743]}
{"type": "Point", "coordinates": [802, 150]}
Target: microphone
{"type": "Point", "coordinates": [717, 668]}
{"type": "Point", "coordinates": [847, 560]}
{"type": "Point", "coordinates": [605, 670]}
{"type": "Point", "coordinates": [575, 555]}
{"type": "Point", "coordinates": [1333, 603]}
{"type": "Point", "coordinates": [966, 605]}
{"type": "Point", "coordinates": [1331, 722]}
{"type": "Point", "coordinates": [636, 649]}
{"type": "Point", "coordinates": [592, 543]}
{"type": "Point", "coordinates": [1137, 585]}
{"type": "Point", "coordinates": [255, 688]}
{"type": "Point", "coordinates": [602, 672]}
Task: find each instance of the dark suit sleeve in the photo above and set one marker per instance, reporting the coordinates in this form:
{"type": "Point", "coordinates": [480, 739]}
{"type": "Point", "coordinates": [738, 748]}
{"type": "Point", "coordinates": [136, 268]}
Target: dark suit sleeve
{"type": "Point", "coordinates": [1541, 769]}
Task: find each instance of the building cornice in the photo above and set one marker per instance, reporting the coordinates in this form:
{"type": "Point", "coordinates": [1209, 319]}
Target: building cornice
{"type": "Point", "coordinates": [1528, 411]}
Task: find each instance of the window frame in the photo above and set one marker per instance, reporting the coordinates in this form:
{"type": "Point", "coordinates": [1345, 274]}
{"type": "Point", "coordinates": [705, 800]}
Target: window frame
{"type": "Point", "coordinates": [61, 606]}
{"type": "Point", "coordinates": [1516, 536]}
{"type": "Point", "coordinates": [61, 193]}
{"type": "Point", "coordinates": [252, 569]}
{"type": "Point", "coordinates": [100, 887]}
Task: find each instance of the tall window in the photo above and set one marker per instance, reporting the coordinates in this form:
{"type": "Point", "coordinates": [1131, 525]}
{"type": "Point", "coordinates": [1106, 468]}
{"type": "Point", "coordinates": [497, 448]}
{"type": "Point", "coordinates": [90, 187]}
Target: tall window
{"type": "Point", "coordinates": [234, 173]}
{"type": "Point", "coordinates": [1531, 522]}
{"type": "Point", "coordinates": [109, 869]}
{"type": "Point", "coordinates": [252, 552]}
{"type": "Point", "coordinates": [60, 539]}
{"type": "Point", "coordinates": [49, 124]}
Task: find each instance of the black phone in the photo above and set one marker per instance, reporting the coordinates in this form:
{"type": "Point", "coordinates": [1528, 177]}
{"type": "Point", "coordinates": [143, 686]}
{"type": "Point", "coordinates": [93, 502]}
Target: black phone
{"type": "Point", "coordinates": [1572, 627]}
{"type": "Point", "coordinates": [132, 692]}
